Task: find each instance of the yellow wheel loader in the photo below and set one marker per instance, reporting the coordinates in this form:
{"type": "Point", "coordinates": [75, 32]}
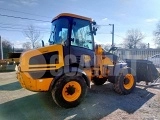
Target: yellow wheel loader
{"type": "Point", "coordinates": [71, 61]}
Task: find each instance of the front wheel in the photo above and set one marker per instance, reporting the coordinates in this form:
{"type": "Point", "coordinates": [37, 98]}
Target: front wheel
{"type": "Point", "coordinates": [69, 91]}
{"type": "Point", "coordinates": [125, 82]}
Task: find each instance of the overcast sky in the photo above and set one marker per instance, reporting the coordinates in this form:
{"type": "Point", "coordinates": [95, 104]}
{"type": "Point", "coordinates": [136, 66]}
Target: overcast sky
{"type": "Point", "coordinates": [125, 14]}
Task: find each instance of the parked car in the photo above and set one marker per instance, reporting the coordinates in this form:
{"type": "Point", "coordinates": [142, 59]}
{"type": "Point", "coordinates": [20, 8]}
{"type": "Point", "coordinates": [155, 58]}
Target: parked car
{"type": "Point", "coordinates": [155, 59]}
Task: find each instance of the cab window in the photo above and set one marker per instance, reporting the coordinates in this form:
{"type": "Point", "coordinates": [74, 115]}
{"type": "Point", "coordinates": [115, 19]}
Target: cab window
{"type": "Point", "coordinates": [81, 35]}
{"type": "Point", "coordinates": [59, 31]}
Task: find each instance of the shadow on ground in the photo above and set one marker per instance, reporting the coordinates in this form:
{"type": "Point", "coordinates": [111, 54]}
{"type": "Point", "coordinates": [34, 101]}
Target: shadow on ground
{"type": "Point", "coordinates": [11, 86]}
{"type": "Point", "coordinates": [99, 102]}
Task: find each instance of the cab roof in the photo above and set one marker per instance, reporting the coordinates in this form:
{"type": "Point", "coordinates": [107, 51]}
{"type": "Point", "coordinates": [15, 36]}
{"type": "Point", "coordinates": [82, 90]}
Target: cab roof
{"type": "Point", "coordinates": [72, 15]}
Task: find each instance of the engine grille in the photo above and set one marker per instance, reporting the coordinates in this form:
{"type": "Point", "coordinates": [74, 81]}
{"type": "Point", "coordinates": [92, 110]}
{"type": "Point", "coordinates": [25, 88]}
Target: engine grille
{"type": "Point", "coordinates": [46, 58]}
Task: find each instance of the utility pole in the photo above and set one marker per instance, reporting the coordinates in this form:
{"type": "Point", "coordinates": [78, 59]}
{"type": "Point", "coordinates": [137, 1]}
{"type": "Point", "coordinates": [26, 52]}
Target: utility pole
{"type": "Point", "coordinates": [1, 49]}
{"type": "Point", "coordinates": [148, 51]}
{"type": "Point", "coordinates": [12, 47]}
{"type": "Point", "coordinates": [112, 34]}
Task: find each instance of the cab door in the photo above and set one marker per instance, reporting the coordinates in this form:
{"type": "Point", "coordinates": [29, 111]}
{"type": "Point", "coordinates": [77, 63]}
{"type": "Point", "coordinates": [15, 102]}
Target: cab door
{"type": "Point", "coordinates": [82, 43]}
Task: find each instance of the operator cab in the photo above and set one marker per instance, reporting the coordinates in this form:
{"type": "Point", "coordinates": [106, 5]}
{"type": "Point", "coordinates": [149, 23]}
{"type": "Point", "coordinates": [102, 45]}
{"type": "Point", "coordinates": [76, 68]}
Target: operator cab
{"type": "Point", "coordinates": [72, 29]}
{"type": "Point", "coordinates": [75, 33]}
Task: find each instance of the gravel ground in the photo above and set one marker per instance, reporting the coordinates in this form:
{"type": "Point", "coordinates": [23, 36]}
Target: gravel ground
{"type": "Point", "coordinates": [101, 102]}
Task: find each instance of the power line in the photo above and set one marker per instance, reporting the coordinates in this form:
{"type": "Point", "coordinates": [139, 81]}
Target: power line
{"type": "Point", "coordinates": [10, 30]}
{"type": "Point", "coordinates": [119, 36]}
{"type": "Point", "coordinates": [103, 33]}
{"type": "Point", "coordinates": [103, 25]}
{"type": "Point", "coordinates": [20, 26]}
{"type": "Point", "coordinates": [20, 30]}
{"type": "Point", "coordinates": [23, 12]}
{"type": "Point", "coordinates": [17, 17]}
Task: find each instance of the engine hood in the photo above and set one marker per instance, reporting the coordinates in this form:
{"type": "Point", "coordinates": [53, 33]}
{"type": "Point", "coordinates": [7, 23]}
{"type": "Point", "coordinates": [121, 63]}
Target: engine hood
{"type": "Point", "coordinates": [45, 58]}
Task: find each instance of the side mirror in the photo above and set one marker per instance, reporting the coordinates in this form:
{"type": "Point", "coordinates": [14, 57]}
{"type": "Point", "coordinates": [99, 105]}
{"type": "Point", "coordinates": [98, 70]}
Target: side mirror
{"type": "Point", "coordinates": [94, 30]}
{"type": "Point", "coordinates": [94, 27]}
{"type": "Point", "coordinates": [113, 49]}
{"type": "Point", "coordinates": [94, 23]}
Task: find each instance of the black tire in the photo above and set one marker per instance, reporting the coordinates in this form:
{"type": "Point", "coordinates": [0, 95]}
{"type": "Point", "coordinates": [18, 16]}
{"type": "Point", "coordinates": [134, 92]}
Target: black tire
{"type": "Point", "coordinates": [99, 81]}
{"type": "Point", "coordinates": [125, 82]}
{"type": "Point", "coordinates": [65, 83]}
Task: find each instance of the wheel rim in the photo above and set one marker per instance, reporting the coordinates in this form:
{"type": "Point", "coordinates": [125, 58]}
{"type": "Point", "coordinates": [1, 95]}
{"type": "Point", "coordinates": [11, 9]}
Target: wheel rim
{"type": "Point", "coordinates": [128, 81]}
{"type": "Point", "coordinates": [71, 91]}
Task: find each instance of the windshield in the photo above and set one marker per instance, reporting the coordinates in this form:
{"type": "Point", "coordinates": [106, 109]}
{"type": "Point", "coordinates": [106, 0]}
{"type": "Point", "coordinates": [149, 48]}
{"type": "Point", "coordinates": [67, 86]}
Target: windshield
{"type": "Point", "coordinates": [59, 31]}
{"type": "Point", "coordinates": [81, 34]}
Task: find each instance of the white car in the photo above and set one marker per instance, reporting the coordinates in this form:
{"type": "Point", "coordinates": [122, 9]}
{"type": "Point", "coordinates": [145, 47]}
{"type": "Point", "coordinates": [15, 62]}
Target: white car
{"type": "Point", "coordinates": [155, 59]}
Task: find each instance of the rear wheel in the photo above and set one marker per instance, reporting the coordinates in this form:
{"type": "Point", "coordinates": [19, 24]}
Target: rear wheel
{"type": "Point", "coordinates": [69, 91]}
{"type": "Point", "coordinates": [125, 82]}
{"type": "Point", "coordinates": [99, 81]}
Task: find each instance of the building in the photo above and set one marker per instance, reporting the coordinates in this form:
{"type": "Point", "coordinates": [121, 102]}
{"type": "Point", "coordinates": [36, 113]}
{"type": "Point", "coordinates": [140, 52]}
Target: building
{"type": "Point", "coordinates": [136, 53]}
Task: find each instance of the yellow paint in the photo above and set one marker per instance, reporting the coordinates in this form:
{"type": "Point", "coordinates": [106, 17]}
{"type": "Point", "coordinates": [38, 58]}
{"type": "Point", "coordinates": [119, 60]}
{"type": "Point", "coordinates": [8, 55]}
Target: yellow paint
{"type": "Point", "coordinates": [130, 83]}
{"type": "Point", "coordinates": [107, 61]}
{"type": "Point", "coordinates": [25, 57]}
{"type": "Point", "coordinates": [31, 84]}
{"type": "Point", "coordinates": [24, 68]}
{"type": "Point", "coordinates": [76, 93]}
{"type": "Point", "coordinates": [99, 50]}
{"type": "Point", "coordinates": [43, 84]}
{"type": "Point", "coordinates": [10, 60]}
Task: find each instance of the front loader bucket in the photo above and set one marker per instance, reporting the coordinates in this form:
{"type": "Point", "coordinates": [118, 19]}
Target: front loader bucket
{"type": "Point", "coordinates": [145, 70]}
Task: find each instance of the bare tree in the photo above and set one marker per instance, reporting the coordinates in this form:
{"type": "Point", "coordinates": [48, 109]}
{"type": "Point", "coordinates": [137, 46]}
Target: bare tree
{"type": "Point", "coordinates": [32, 34]}
{"type": "Point", "coordinates": [38, 44]}
{"type": "Point", "coordinates": [156, 34]}
{"type": "Point", "coordinates": [27, 45]}
{"type": "Point", "coordinates": [133, 38]}
{"type": "Point", "coordinates": [142, 45]}
{"type": "Point", "coordinates": [18, 50]}
{"type": "Point", "coordinates": [121, 45]}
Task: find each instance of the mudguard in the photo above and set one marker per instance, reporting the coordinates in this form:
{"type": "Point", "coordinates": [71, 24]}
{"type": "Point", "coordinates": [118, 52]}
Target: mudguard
{"type": "Point", "coordinates": [68, 69]}
{"type": "Point", "coordinates": [114, 70]}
